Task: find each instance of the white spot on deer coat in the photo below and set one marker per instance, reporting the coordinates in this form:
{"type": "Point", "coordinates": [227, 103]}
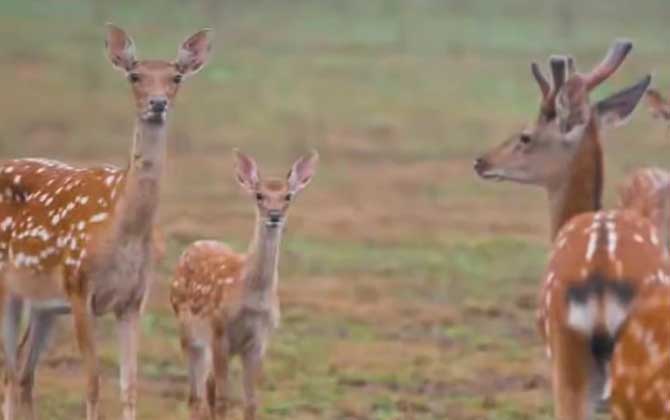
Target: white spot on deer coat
{"type": "Point", "coordinates": [97, 218]}
{"type": "Point", "coordinates": [7, 223]}
{"type": "Point", "coordinates": [653, 236]}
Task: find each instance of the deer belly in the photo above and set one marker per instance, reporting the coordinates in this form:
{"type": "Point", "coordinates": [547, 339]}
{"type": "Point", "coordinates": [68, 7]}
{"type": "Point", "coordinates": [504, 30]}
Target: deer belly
{"type": "Point", "coordinates": [35, 285]}
{"type": "Point", "coordinates": [250, 329]}
{"type": "Point", "coordinates": [120, 282]}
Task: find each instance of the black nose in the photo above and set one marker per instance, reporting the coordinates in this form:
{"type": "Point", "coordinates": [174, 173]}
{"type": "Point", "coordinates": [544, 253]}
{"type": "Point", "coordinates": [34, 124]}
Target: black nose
{"type": "Point", "coordinates": [274, 216]}
{"type": "Point", "coordinates": [158, 104]}
{"type": "Point", "coordinates": [480, 165]}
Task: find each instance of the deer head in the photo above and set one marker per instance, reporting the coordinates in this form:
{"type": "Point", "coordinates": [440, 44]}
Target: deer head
{"type": "Point", "coordinates": [541, 153]}
{"type": "Point", "coordinates": [155, 83]}
{"type": "Point", "coordinates": [273, 196]}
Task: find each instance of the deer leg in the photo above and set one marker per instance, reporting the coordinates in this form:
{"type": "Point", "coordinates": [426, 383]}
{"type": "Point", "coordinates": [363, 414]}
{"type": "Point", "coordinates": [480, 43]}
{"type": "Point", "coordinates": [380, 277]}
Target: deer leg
{"type": "Point", "coordinates": [211, 396]}
{"type": "Point", "coordinates": [128, 328]}
{"type": "Point", "coordinates": [197, 375]}
{"type": "Point", "coordinates": [83, 325]}
{"type": "Point", "coordinates": [33, 345]}
{"type": "Point", "coordinates": [252, 365]}
{"type": "Point", "coordinates": [13, 310]}
{"type": "Point", "coordinates": [572, 377]}
{"type": "Point", "coordinates": [219, 380]}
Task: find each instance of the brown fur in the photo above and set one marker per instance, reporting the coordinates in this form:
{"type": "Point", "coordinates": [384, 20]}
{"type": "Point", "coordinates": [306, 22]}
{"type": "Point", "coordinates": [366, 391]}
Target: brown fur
{"type": "Point", "coordinates": [647, 192]}
{"type": "Point", "coordinates": [626, 250]}
{"type": "Point", "coordinates": [641, 360]}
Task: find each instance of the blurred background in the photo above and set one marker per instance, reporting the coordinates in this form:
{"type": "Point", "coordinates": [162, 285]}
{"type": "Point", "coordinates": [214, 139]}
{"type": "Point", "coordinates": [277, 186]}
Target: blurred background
{"type": "Point", "coordinates": [408, 285]}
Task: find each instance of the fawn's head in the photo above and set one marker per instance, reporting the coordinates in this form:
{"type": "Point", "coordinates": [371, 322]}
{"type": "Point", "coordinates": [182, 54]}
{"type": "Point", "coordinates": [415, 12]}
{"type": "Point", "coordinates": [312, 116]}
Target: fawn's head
{"type": "Point", "coordinates": [273, 196]}
{"type": "Point", "coordinates": [155, 83]}
{"type": "Point", "coordinates": [541, 153]}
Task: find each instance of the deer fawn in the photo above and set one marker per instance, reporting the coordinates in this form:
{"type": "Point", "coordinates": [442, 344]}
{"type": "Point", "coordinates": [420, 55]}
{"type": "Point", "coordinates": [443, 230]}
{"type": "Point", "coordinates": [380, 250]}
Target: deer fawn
{"type": "Point", "coordinates": [227, 303]}
{"type": "Point", "coordinates": [600, 260]}
{"type": "Point", "coordinates": [79, 240]}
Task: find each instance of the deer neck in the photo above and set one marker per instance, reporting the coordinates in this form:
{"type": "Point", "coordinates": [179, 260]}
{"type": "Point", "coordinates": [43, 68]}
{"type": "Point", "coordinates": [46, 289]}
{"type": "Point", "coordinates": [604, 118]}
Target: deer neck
{"type": "Point", "coordinates": [581, 191]}
{"type": "Point", "coordinates": [263, 258]}
{"type": "Point", "coordinates": [139, 201]}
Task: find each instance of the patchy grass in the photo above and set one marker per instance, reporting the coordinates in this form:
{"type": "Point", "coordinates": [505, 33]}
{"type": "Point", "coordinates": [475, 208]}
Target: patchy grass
{"type": "Point", "coordinates": [408, 285]}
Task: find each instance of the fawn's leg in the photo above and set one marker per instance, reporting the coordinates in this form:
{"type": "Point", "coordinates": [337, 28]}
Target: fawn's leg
{"type": "Point", "coordinates": [83, 325]}
{"type": "Point", "coordinates": [198, 367]}
{"type": "Point", "coordinates": [13, 310]}
{"type": "Point", "coordinates": [128, 329]}
{"type": "Point", "coordinates": [219, 379]}
{"type": "Point", "coordinates": [252, 364]}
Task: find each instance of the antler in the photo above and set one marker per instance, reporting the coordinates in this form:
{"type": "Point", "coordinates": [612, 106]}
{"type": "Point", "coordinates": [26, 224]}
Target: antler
{"type": "Point", "coordinates": [615, 56]}
{"type": "Point", "coordinates": [558, 64]}
{"type": "Point", "coordinates": [540, 79]}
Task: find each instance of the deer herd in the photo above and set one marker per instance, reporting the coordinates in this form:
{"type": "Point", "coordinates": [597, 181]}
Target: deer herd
{"type": "Point", "coordinates": [81, 241]}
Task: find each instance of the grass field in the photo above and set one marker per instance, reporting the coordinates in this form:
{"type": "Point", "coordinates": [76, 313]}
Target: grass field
{"type": "Point", "coordinates": [408, 285]}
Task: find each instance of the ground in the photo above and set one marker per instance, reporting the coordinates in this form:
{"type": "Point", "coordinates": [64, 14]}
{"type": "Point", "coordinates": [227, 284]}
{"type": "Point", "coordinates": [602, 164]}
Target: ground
{"type": "Point", "coordinates": [408, 286]}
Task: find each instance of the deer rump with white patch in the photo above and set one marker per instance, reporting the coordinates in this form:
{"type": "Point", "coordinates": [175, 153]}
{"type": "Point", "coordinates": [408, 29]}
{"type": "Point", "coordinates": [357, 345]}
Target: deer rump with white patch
{"type": "Point", "coordinates": [80, 240]}
{"type": "Point", "coordinates": [600, 263]}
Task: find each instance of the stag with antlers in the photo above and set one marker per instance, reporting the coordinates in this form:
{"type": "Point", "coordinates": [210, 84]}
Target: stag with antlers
{"type": "Point", "coordinates": [600, 260]}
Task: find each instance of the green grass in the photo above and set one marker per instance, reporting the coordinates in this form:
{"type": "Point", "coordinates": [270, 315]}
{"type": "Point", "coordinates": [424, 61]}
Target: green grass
{"type": "Point", "coordinates": [408, 285]}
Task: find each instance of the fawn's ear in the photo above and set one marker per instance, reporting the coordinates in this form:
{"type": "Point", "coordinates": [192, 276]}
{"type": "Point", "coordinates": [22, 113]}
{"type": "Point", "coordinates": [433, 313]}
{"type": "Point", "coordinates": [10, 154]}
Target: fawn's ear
{"type": "Point", "coordinates": [302, 171]}
{"type": "Point", "coordinates": [246, 171]}
{"type": "Point", "coordinates": [194, 52]}
{"type": "Point", "coordinates": [120, 48]}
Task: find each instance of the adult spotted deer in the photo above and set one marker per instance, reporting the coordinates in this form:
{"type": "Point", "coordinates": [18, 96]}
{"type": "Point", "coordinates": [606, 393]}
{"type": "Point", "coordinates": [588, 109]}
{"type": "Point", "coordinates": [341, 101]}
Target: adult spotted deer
{"type": "Point", "coordinates": [640, 366]}
{"type": "Point", "coordinates": [600, 260]}
{"type": "Point", "coordinates": [227, 303]}
{"type": "Point", "coordinates": [79, 240]}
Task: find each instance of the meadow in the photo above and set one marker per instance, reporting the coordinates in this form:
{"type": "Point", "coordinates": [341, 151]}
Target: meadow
{"type": "Point", "coordinates": [408, 285]}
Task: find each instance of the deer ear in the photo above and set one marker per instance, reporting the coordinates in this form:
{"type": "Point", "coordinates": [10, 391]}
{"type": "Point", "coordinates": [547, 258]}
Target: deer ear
{"type": "Point", "coordinates": [246, 171]}
{"type": "Point", "coordinates": [616, 110]}
{"type": "Point", "coordinates": [120, 48]}
{"type": "Point", "coordinates": [302, 171]}
{"type": "Point", "coordinates": [194, 52]}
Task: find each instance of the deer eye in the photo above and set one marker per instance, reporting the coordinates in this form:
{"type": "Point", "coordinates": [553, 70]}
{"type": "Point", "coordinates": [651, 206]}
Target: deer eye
{"type": "Point", "coordinates": [259, 196]}
{"type": "Point", "coordinates": [177, 79]}
{"type": "Point", "coordinates": [525, 139]}
{"type": "Point", "coordinates": [134, 77]}
{"type": "Point", "coordinates": [288, 197]}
